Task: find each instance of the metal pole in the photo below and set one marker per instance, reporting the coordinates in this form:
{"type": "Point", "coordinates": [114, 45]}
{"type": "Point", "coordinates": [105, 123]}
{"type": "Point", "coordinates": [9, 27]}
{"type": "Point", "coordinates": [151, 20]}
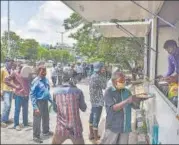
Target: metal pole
{"type": "Point", "coordinates": [62, 37]}
{"type": "Point", "coordinates": [178, 100]}
{"type": "Point", "coordinates": [8, 22]}
{"type": "Point", "coordinates": [171, 25]}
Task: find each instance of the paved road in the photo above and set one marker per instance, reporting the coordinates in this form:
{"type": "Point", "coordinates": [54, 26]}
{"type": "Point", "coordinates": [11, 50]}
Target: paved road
{"type": "Point", "coordinates": [9, 136]}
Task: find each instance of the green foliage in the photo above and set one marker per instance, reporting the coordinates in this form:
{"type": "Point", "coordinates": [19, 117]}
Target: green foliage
{"type": "Point", "coordinates": [15, 42]}
{"type": "Point", "coordinates": [72, 22]}
{"type": "Point", "coordinates": [124, 50]}
{"type": "Point", "coordinates": [31, 50]}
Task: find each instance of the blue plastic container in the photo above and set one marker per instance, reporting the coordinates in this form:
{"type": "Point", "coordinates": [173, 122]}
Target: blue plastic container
{"type": "Point", "coordinates": [155, 134]}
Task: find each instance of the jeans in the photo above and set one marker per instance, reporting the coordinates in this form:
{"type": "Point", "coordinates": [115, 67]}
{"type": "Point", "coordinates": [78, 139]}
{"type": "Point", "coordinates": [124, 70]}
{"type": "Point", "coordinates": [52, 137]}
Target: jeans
{"type": "Point", "coordinates": [7, 105]}
{"type": "Point", "coordinates": [44, 116]}
{"type": "Point", "coordinates": [21, 102]}
{"type": "Point", "coordinates": [95, 116]}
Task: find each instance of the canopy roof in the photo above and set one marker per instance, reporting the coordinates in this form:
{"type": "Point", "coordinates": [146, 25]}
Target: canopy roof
{"type": "Point", "coordinates": [169, 12]}
{"type": "Point", "coordinates": [139, 29]}
{"type": "Point", "coordinates": [107, 10]}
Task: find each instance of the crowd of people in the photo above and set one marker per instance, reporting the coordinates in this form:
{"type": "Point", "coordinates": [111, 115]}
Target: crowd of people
{"type": "Point", "coordinates": [67, 100]}
{"type": "Point", "coordinates": [78, 72]}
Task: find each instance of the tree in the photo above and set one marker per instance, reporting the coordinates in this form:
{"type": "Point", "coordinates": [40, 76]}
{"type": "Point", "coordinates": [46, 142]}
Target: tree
{"type": "Point", "coordinates": [62, 56]}
{"type": "Point", "coordinates": [42, 53]}
{"type": "Point", "coordinates": [15, 42]}
{"type": "Point", "coordinates": [29, 49]}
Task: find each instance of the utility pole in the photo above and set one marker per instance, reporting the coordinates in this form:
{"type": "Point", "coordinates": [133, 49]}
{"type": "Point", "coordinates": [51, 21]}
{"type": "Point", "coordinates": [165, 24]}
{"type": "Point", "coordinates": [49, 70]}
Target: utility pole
{"type": "Point", "coordinates": [8, 22]}
{"type": "Point", "coordinates": [62, 37]}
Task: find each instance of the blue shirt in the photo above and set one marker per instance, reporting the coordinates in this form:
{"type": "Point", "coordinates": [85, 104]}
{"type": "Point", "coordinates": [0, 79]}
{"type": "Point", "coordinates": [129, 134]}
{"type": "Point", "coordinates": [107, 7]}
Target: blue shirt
{"type": "Point", "coordinates": [173, 63]}
{"type": "Point", "coordinates": [40, 90]}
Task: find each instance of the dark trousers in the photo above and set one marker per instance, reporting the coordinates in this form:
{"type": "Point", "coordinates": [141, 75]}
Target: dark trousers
{"type": "Point", "coordinates": [59, 80]}
{"type": "Point", "coordinates": [44, 116]}
{"type": "Point", "coordinates": [21, 102]}
{"type": "Point", "coordinates": [54, 80]}
{"type": "Point", "coordinates": [95, 116]}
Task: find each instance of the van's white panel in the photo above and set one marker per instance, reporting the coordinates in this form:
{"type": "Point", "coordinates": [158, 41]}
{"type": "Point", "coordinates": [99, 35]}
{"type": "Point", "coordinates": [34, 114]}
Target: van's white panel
{"type": "Point", "coordinates": [165, 114]}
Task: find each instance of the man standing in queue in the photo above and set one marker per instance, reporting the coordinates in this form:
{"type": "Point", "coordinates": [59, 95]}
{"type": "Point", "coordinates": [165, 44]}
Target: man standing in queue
{"type": "Point", "coordinates": [6, 92]}
{"type": "Point", "coordinates": [21, 86]}
{"type": "Point", "coordinates": [69, 100]}
{"type": "Point", "coordinates": [40, 95]}
{"type": "Point", "coordinates": [96, 86]}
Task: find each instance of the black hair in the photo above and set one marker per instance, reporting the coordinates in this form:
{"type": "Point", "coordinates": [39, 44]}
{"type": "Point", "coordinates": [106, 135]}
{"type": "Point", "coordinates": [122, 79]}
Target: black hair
{"type": "Point", "coordinates": [54, 64]}
{"type": "Point", "coordinates": [170, 43]}
{"type": "Point", "coordinates": [9, 59]}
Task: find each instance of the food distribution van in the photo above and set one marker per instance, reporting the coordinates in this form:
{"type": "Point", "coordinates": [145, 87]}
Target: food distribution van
{"type": "Point", "coordinates": [161, 24]}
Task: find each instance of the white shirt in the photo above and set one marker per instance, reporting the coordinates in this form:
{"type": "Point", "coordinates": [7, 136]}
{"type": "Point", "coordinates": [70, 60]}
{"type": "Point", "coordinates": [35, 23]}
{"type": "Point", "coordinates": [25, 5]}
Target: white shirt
{"type": "Point", "coordinates": [79, 69]}
{"type": "Point", "coordinates": [54, 71]}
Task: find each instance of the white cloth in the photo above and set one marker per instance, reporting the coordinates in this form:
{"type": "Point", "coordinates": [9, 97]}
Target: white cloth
{"type": "Point", "coordinates": [79, 69]}
{"type": "Point", "coordinates": [54, 71]}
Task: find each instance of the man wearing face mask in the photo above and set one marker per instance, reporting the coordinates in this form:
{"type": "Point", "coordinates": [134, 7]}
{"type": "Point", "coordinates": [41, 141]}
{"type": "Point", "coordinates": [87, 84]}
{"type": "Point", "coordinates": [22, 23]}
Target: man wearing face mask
{"type": "Point", "coordinates": [118, 103]}
{"type": "Point", "coordinates": [40, 95]}
{"type": "Point", "coordinates": [6, 92]}
{"type": "Point", "coordinates": [21, 95]}
{"type": "Point", "coordinates": [96, 85]}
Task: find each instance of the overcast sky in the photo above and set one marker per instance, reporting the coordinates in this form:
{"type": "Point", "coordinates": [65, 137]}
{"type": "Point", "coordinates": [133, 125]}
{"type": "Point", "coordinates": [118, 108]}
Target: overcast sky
{"type": "Point", "coordinates": [37, 19]}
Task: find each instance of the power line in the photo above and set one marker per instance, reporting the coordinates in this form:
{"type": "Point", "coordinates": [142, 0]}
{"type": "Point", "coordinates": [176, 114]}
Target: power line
{"type": "Point", "coordinates": [8, 22]}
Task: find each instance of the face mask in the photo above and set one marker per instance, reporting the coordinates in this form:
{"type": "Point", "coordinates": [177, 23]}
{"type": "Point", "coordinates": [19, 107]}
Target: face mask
{"type": "Point", "coordinates": [120, 86]}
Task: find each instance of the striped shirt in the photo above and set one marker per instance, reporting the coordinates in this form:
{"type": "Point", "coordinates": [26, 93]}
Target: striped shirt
{"type": "Point", "coordinates": [18, 80]}
{"type": "Point", "coordinates": [69, 100]}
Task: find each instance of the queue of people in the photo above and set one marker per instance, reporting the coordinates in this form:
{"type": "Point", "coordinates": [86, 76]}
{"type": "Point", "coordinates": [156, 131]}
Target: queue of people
{"type": "Point", "coordinates": [67, 100]}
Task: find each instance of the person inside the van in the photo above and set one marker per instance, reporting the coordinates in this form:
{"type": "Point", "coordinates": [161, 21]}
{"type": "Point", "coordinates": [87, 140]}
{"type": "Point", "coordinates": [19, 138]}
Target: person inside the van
{"type": "Point", "coordinates": [173, 66]}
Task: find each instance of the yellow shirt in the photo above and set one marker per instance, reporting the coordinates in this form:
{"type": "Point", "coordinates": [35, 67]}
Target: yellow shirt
{"type": "Point", "coordinates": [4, 74]}
{"type": "Point", "coordinates": [173, 90]}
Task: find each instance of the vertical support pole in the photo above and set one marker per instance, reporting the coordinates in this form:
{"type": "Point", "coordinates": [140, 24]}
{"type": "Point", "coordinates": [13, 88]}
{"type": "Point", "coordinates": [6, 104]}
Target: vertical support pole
{"type": "Point", "coordinates": [153, 45]}
{"type": "Point", "coordinates": [177, 25]}
{"type": "Point", "coordinates": [8, 23]}
{"type": "Point", "coordinates": [145, 57]}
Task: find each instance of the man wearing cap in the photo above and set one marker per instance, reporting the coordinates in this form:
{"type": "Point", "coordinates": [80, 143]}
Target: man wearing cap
{"type": "Point", "coordinates": [6, 92]}
{"type": "Point", "coordinates": [40, 95]}
{"type": "Point", "coordinates": [118, 103]}
{"type": "Point", "coordinates": [21, 95]}
{"type": "Point", "coordinates": [69, 100]}
{"type": "Point", "coordinates": [96, 85]}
